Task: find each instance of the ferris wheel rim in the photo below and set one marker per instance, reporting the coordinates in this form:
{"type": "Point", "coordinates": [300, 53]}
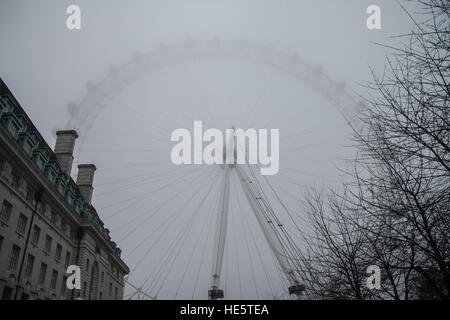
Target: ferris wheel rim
{"type": "Point", "coordinates": [84, 113]}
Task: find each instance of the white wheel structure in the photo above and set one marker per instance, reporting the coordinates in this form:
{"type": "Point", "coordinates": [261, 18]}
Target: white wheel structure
{"type": "Point", "coordinates": [85, 114]}
{"type": "Point", "coordinates": [273, 230]}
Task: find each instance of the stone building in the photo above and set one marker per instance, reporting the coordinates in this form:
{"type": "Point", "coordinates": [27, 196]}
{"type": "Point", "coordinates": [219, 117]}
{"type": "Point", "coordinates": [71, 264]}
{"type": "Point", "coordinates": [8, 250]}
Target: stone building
{"type": "Point", "coordinates": [47, 221]}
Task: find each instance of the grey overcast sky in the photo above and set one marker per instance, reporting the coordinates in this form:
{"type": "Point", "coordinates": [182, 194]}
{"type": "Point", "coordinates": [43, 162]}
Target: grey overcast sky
{"type": "Point", "coordinates": [162, 216]}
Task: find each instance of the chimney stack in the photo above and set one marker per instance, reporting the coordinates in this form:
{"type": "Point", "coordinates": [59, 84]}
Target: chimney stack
{"type": "Point", "coordinates": [85, 179]}
{"type": "Point", "coordinates": [65, 143]}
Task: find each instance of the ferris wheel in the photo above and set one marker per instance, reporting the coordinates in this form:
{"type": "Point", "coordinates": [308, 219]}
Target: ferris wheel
{"type": "Point", "coordinates": [206, 189]}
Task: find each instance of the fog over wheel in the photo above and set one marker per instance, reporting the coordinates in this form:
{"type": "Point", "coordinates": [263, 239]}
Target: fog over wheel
{"type": "Point", "coordinates": [171, 221]}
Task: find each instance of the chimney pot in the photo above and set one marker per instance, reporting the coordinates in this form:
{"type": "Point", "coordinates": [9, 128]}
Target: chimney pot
{"type": "Point", "coordinates": [65, 143]}
{"type": "Point", "coordinates": [85, 180]}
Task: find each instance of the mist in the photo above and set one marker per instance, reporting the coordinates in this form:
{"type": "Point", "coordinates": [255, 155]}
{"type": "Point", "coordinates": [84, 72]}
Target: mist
{"type": "Point", "coordinates": [138, 70]}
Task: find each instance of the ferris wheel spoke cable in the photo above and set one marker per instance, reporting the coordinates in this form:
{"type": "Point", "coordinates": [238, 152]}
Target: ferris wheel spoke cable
{"type": "Point", "coordinates": [163, 230]}
{"type": "Point", "coordinates": [291, 250]}
{"type": "Point", "coordinates": [269, 280]}
{"type": "Point", "coordinates": [100, 131]}
{"type": "Point", "coordinates": [263, 203]}
{"type": "Point", "coordinates": [294, 197]}
{"type": "Point", "coordinates": [288, 178]}
{"type": "Point", "coordinates": [150, 234]}
{"type": "Point", "coordinates": [154, 213]}
{"type": "Point", "coordinates": [130, 296]}
{"type": "Point", "coordinates": [137, 177]}
{"type": "Point", "coordinates": [194, 248]}
{"type": "Point", "coordinates": [250, 231]}
{"type": "Point", "coordinates": [138, 183]}
{"type": "Point", "coordinates": [140, 224]}
{"type": "Point", "coordinates": [144, 213]}
{"type": "Point", "coordinates": [114, 130]}
{"type": "Point", "coordinates": [147, 179]}
{"type": "Point", "coordinates": [204, 249]}
{"type": "Point", "coordinates": [126, 166]}
{"type": "Point", "coordinates": [237, 258]}
{"type": "Point", "coordinates": [186, 232]}
{"type": "Point", "coordinates": [283, 250]}
{"type": "Point", "coordinates": [184, 189]}
{"type": "Point", "coordinates": [318, 143]}
{"type": "Point", "coordinates": [129, 150]}
{"type": "Point", "coordinates": [194, 105]}
{"type": "Point", "coordinates": [107, 141]}
{"type": "Point", "coordinates": [282, 203]}
{"type": "Point", "coordinates": [315, 130]}
{"type": "Point", "coordinates": [145, 195]}
{"type": "Point", "coordinates": [235, 209]}
{"type": "Point", "coordinates": [173, 252]}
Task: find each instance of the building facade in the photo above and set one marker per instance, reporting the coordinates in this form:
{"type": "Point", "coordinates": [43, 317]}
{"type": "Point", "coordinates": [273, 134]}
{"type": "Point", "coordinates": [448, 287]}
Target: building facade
{"type": "Point", "coordinates": [47, 221]}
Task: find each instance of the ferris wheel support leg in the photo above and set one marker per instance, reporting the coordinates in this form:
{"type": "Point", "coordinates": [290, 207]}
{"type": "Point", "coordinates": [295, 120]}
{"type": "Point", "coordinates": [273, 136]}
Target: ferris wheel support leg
{"type": "Point", "coordinates": [295, 288]}
{"type": "Point", "coordinates": [220, 236]}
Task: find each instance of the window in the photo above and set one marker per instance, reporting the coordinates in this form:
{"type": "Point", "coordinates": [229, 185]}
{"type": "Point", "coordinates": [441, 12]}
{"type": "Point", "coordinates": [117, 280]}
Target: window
{"type": "Point", "coordinates": [14, 180]}
{"type": "Point", "coordinates": [63, 226]}
{"type": "Point", "coordinates": [5, 211]}
{"type": "Point", "coordinates": [84, 289]}
{"type": "Point", "coordinates": [1, 244]}
{"type": "Point", "coordinates": [48, 244]}
{"type": "Point", "coordinates": [70, 199]}
{"type": "Point", "coordinates": [12, 128]}
{"type": "Point", "coordinates": [101, 296]}
{"type": "Point", "coordinates": [115, 292]}
{"type": "Point", "coordinates": [29, 267]}
{"type": "Point", "coordinates": [67, 261]}
{"type": "Point", "coordinates": [42, 273]}
{"type": "Point", "coordinates": [54, 279]}
{"type": "Point", "coordinates": [61, 187]}
{"type": "Point", "coordinates": [63, 285]}
{"type": "Point", "coordinates": [110, 288]}
{"type": "Point", "coordinates": [103, 276]}
{"type": "Point", "coordinates": [22, 224]}
{"type": "Point", "coordinates": [14, 258]}
{"type": "Point", "coordinates": [58, 252]}
{"type": "Point", "coordinates": [87, 264]}
{"type": "Point", "coordinates": [35, 234]}
{"type": "Point", "coordinates": [39, 162]}
{"type": "Point", "coordinates": [27, 147]}
{"type": "Point", "coordinates": [28, 195]}
{"type": "Point", "coordinates": [51, 176]}
{"type": "Point", "coordinates": [52, 217]}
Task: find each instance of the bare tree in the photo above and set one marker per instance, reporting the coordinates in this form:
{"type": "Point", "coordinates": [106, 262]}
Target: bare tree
{"type": "Point", "coordinates": [396, 212]}
{"type": "Point", "coordinates": [334, 265]}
